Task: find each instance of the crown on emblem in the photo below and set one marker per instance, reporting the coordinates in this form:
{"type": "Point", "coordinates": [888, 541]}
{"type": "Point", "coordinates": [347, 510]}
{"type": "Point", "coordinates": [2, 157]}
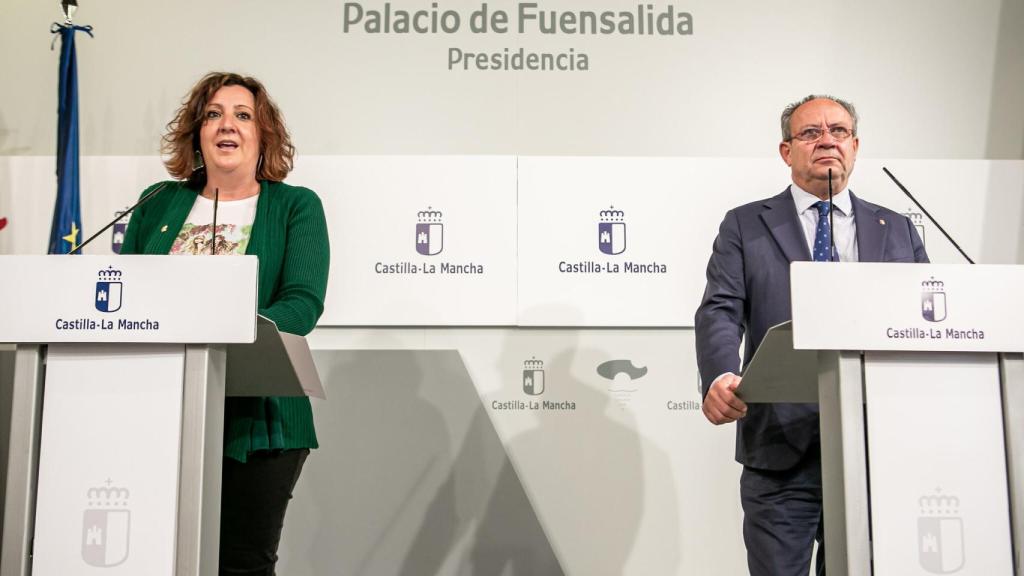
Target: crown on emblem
{"type": "Point", "coordinates": [109, 274]}
{"type": "Point", "coordinates": [429, 215]}
{"type": "Point", "coordinates": [108, 496]}
{"type": "Point", "coordinates": [533, 364]}
{"type": "Point", "coordinates": [612, 215]}
{"type": "Point", "coordinates": [932, 285]}
{"type": "Point", "coordinates": [938, 504]}
{"type": "Point", "coordinates": [915, 217]}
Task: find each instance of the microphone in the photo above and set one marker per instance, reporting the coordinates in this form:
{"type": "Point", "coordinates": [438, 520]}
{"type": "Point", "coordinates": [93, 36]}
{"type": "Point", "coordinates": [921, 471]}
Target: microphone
{"type": "Point", "coordinates": [831, 210]}
{"type": "Point", "coordinates": [141, 201]}
{"type": "Point", "coordinates": [213, 233]}
{"type": "Point", "coordinates": [933, 221]}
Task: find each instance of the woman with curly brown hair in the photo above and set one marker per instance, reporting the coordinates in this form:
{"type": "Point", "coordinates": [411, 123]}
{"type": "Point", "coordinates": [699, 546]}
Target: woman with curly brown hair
{"type": "Point", "coordinates": [229, 149]}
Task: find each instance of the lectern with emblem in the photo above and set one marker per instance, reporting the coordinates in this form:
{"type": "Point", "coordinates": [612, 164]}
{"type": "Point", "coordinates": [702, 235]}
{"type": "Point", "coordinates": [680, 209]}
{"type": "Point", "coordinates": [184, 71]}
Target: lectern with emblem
{"type": "Point", "coordinates": [120, 371]}
{"type": "Point", "coordinates": [919, 375]}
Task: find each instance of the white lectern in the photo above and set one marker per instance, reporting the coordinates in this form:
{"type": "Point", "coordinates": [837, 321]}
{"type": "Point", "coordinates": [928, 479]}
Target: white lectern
{"type": "Point", "coordinates": [121, 369]}
{"type": "Point", "coordinates": [920, 379]}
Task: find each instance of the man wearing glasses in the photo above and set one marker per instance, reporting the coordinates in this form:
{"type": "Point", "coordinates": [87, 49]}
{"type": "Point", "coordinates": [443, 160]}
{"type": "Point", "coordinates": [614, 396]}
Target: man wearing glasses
{"type": "Point", "coordinates": [748, 292]}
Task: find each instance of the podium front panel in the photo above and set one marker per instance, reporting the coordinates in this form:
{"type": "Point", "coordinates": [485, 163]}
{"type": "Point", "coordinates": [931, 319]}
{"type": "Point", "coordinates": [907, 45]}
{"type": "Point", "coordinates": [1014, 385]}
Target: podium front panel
{"type": "Point", "coordinates": [939, 502]}
{"type": "Point", "coordinates": [108, 462]}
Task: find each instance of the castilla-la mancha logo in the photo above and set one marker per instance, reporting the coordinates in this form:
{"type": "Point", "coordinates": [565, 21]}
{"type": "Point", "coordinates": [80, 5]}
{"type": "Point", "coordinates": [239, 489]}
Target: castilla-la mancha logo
{"type": "Point", "coordinates": [429, 232]}
{"type": "Point", "coordinates": [106, 526]}
{"type": "Point", "coordinates": [940, 533]}
{"type": "Point", "coordinates": [917, 219]}
{"type": "Point", "coordinates": [109, 290]}
{"type": "Point", "coordinates": [117, 236]}
{"type": "Point", "coordinates": [933, 300]}
{"type": "Point", "coordinates": [533, 377]}
{"type": "Point", "coordinates": [611, 231]}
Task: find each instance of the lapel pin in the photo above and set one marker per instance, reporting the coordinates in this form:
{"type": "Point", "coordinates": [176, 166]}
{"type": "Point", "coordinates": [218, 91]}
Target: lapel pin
{"type": "Point", "coordinates": [164, 229]}
{"type": "Point", "coordinates": [880, 221]}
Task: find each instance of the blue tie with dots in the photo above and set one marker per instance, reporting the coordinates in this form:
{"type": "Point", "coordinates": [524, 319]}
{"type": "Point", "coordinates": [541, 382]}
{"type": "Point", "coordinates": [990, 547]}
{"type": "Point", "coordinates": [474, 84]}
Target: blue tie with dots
{"type": "Point", "coordinates": [822, 236]}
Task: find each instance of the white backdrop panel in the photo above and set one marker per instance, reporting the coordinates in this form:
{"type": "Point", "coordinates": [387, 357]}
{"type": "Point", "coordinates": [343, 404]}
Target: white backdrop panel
{"type": "Point", "coordinates": [672, 208]}
{"type": "Point", "coordinates": [661, 215]}
{"type": "Point", "coordinates": [418, 240]}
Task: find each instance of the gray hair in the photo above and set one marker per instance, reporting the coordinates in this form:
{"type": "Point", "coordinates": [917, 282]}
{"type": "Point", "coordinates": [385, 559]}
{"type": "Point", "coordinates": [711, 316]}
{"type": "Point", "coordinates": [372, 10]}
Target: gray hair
{"type": "Point", "coordinates": [787, 114]}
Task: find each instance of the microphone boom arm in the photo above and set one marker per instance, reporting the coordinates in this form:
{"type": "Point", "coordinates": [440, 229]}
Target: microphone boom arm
{"type": "Point", "coordinates": [118, 219]}
{"type": "Point", "coordinates": [933, 221]}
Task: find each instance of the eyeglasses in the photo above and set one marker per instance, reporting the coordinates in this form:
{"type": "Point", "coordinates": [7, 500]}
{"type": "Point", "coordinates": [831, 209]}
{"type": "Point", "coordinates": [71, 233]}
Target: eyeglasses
{"type": "Point", "coordinates": [815, 134]}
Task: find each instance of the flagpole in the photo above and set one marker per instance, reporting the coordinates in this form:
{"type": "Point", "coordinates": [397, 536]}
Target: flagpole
{"type": "Point", "coordinates": [66, 229]}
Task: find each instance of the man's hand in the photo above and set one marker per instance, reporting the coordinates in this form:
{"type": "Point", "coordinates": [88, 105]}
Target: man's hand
{"type": "Point", "coordinates": [721, 405]}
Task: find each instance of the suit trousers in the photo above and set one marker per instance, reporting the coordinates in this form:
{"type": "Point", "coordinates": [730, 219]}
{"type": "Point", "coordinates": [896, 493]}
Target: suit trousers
{"type": "Point", "coordinates": [254, 498]}
{"type": "Point", "coordinates": [782, 517]}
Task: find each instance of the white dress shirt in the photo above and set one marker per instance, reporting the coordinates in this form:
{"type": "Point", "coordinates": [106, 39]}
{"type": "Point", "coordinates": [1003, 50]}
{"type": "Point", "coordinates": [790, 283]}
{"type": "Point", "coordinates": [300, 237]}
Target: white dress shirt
{"type": "Point", "coordinates": [844, 228]}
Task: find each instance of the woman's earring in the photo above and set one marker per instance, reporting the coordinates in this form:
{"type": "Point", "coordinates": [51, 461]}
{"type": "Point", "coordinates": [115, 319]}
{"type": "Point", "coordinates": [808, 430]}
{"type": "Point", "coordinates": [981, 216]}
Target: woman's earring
{"type": "Point", "coordinates": [197, 161]}
{"type": "Point", "coordinates": [259, 165]}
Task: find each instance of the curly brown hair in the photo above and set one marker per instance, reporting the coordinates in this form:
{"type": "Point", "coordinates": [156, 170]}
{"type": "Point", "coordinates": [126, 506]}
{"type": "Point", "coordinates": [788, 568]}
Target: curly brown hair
{"type": "Point", "coordinates": [181, 142]}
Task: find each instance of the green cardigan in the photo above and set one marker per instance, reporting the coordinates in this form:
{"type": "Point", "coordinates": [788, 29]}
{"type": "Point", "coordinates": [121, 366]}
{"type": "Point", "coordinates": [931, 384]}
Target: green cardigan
{"type": "Point", "coordinates": [289, 235]}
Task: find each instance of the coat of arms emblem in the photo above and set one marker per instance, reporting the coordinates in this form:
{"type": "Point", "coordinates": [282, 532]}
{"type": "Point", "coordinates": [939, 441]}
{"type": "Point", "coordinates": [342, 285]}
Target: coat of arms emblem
{"type": "Point", "coordinates": [429, 232]}
{"type": "Point", "coordinates": [109, 290]}
{"type": "Point", "coordinates": [106, 526]}
{"type": "Point", "coordinates": [933, 300]}
{"type": "Point", "coordinates": [533, 377]}
{"type": "Point", "coordinates": [117, 236]}
{"type": "Point", "coordinates": [917, 219]}
{"type": "Point", "coordinates": [611, 231]}
{"type": "Point", "coordinates": [940, 534]}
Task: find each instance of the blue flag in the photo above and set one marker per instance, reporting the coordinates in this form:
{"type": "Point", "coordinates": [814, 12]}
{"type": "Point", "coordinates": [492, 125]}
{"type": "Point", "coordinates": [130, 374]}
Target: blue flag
{"type": "Point", "coordinates": [66, 230]}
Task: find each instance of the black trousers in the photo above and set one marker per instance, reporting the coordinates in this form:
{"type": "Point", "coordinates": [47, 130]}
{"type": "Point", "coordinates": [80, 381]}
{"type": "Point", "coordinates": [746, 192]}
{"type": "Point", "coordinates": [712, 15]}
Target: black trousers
{"type": "Point", "coordinates": [254, 498]}
{"type": "Point", "coordinates": [782, 517]}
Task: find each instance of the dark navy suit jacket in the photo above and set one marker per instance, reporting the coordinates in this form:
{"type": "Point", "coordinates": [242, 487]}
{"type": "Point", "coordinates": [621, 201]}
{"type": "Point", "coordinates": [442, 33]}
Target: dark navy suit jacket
{"type": "Point", "coordinates": [748, 293]}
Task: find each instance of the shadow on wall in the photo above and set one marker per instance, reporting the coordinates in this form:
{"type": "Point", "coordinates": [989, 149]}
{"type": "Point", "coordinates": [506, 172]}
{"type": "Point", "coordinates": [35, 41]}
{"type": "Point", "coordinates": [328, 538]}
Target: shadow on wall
{"type": "Point", "coordinates": [416, 475]}
{"type": "Point", "coordinates": [584, 472]}
{"type": "Point", "coordinates": [482, 514]}
{"type": "Point", "coordinates": [581, 473]}
{"type": "Point", "coordinates": [383, 494]}
{"type": "Point", "coordinates": [1006, 116]}
{"type": "Point", "coordinates": [569, 493]}
{"type": "Point", "coordinates": [1003, 218]}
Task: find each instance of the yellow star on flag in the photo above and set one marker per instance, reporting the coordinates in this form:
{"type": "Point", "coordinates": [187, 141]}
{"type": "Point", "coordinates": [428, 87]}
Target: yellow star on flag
{"type": "Point", "coordinates": [73, 237]}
